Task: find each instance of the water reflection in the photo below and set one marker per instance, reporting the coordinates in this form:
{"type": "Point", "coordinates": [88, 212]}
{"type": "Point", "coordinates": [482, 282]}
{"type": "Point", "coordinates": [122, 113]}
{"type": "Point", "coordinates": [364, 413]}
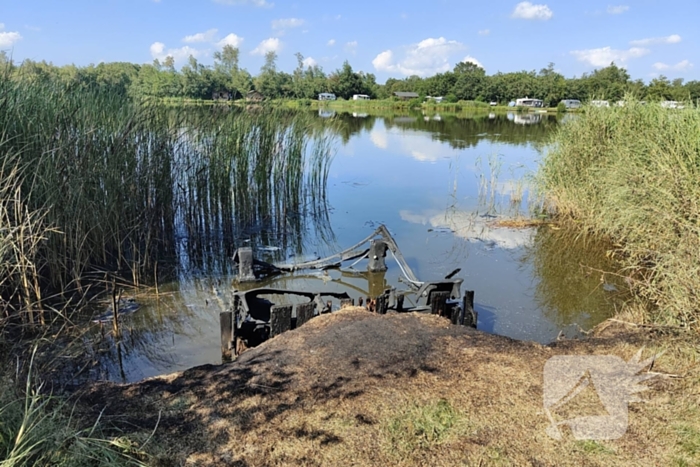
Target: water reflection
{"type": "Point", "coordinates": [573, 286]}
{"type": "Point", "coordinates": [438, 184]}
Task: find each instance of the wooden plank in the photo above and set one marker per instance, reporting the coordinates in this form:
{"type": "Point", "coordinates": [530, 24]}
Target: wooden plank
{"type": "Point", "coordinates": [280, 319]}
{"type": "Point", "coordinates": [226, 324]}
{"type": "Point", "coordinates": [305, 312]}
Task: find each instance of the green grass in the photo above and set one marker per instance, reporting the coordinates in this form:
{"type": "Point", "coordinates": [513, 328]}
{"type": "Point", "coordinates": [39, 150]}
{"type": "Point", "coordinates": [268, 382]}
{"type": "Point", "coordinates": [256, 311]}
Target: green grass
{"type": "Point", "coordinates": [37, 429]}
{"type": "Point", "coordinates": [421, 427]}
{"type": "Point", "coordinates": [632, 174]}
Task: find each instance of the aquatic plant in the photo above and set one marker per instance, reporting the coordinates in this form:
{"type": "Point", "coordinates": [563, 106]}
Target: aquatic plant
{"type": "Point", "coordinates": [110, 186]}
{"type": "Point", "coordinates": [632, 174]}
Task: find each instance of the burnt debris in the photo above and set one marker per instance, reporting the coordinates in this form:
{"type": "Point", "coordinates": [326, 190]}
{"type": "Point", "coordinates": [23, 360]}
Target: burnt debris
{"type": "Point", "coordinates": [259, 314]}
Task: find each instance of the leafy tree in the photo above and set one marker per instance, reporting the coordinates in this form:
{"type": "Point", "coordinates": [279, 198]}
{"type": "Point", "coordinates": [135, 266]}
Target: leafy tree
{"type": "Point", "coordinates": [345, 82]}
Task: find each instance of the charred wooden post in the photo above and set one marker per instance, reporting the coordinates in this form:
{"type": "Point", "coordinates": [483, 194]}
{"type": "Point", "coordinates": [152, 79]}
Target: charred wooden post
{"type": "Point", "coordinates": [280, 319]}
{"type": "Point", "coordinates": [382, 304]}
{"type": "Point", "coordinates": [377, 253]}
{"type": "Point", "coordinates": [348, 302]}
{"type": "Point", "coordinates": [226, 323]}
{"type": "Point", "coordinates": [399, 303]}
{"type": "Point", "coordinates": [469, 314]}
{"type": "Point", "coordinates": [245, 264]}
{"type": "Point", "coordinates": [305, 312]}
{"type": "Point", "coordinates": [438, 305]}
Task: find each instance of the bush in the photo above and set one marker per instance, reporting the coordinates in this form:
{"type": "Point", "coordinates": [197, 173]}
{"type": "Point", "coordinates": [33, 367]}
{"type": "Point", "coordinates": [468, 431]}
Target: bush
{"type": "Point", "coordinates": [561, 107]}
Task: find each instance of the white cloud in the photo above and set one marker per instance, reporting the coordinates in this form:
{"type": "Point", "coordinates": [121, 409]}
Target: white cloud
{"type": "Point", "coordinates": [470, 59]}
{"type": "Point", "coordinates": [201, 37]}
{"type": "Point", "coordinates": [331, 43]}
{"type": "Point", "coordinates": [526, 10]}
{"type": "Point", "coordinates": [351, 47]}
{"type": "Point", "coordinates": [680, 66]}
{"type": "Point", "coordinates": [7, 39]}
{"type": "Point", "coordinates": [287, 23]}
{"type": "Point", "coordinates": [258, 3]}
{"type": "Point", "coordinates": [484, 32]}
{"type": "Point", "coordinates": [617, 9]}
{"type": "Point", "coordinates": [268, 45]}
{"type": "Point", "coordinates": [672, 39]}
{"type": "Point", "coordinates": [159, 52]}
{"type": "Point", "coordinates": [603, 56]}
{"type": "Point", "coordinates": [232, 39]}
{"type": "Point", "coordinates": [427, 57]}
{"type": "Point", "coordinates": [309, 62]}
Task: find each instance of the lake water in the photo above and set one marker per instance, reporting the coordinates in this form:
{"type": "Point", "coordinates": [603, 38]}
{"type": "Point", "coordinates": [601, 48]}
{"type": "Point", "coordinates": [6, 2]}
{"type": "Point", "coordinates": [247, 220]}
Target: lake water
{"type": "Point", "coordinates": [437, 183]}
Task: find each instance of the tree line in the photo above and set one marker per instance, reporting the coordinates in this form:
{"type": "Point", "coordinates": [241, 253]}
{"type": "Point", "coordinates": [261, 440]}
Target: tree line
{"type": "Point", "coordinates": [466, 82]}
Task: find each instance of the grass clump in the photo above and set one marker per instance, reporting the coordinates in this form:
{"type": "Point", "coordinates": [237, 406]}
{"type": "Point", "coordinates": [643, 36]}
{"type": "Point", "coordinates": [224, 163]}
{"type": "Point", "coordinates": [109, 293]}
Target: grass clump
{"type": "Point", "coordinates": [632, 174]}
{"type": "Point", "coordinates": [422, 427]}
{"type": "Point", "coordinates": [37, 429]}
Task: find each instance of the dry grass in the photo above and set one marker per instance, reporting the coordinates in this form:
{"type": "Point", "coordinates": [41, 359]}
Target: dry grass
{"type": "Point", "coordinates": [519, 223]}
{"type": "Point", "coordinates": [355, 388]}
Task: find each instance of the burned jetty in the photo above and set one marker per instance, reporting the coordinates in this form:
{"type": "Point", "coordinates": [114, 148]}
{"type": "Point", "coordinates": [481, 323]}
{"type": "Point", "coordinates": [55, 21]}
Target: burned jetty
{"type": "Point", "coordinates": [260, 314]}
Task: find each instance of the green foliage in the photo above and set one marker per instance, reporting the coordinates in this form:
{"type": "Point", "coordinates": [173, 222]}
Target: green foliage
{"type": "Point", "coordinates": [467, 81]}
{"type": "Point", "coordinates": [561, 107]}
{"type": "Point", "coordinates": [632, 174]}
{"type": "Point", "coordinates": [37, 430]}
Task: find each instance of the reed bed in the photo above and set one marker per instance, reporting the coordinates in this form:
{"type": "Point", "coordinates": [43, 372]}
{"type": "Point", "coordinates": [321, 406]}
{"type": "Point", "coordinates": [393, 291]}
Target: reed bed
{"type": "Point", "coordinates": [101, 186]}
{"type": "Point", "coordinates": [632, 174]}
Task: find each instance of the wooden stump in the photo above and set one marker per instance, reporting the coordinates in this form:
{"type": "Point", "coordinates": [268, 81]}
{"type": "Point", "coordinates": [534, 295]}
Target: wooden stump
{"type": "Point", "coordinates": [437, 303]}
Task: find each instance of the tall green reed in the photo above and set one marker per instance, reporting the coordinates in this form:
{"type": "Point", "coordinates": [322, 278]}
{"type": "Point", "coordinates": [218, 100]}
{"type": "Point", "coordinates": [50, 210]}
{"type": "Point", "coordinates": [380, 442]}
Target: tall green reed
{"type": "Point", "coordinates": [632, 174]}
{"type": "Point", "coordinates": [122, 185]}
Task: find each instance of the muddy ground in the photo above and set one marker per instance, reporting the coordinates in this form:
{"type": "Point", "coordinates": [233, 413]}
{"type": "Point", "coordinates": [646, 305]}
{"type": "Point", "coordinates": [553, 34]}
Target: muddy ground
{"type": "Point", "coordinates": [356, 388]}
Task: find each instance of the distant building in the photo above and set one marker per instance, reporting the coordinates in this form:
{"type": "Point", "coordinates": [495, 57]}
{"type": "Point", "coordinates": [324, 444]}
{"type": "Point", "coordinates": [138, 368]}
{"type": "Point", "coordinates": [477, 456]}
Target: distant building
{"type": "Point", "coordinates": [529, 102]}
{"type": "Point", "coordinates": [326, 96]}
{"type": "Point", "coordinates": [671, 105]}
{"type": "Point", "coordinates": [221, 96]}
{"type": "Point", "coordinates": [360, 97]}
{"type": "Point", "coordinates": [254, 96]}
{"type": "Point", "coordinates": [406, 95]}
{"type": "Point", "coordinates": [571, 103]}
{"type": "Point", "coordinates": [437, 100]}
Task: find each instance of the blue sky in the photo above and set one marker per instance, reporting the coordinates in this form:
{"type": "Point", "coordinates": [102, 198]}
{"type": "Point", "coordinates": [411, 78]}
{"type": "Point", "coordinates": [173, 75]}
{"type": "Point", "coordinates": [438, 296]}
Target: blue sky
{"type": "Point", "coordinates": [389, 39]}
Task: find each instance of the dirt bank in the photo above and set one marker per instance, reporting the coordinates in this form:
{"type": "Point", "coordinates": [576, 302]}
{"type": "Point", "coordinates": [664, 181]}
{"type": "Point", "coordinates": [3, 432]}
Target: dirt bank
{"type": "Point", "coordinates": [355, 388]}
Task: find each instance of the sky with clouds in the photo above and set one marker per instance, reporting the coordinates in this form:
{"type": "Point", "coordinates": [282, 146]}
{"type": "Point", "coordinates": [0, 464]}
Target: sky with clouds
{"type": "Point", "coordinates": [389, 39]}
